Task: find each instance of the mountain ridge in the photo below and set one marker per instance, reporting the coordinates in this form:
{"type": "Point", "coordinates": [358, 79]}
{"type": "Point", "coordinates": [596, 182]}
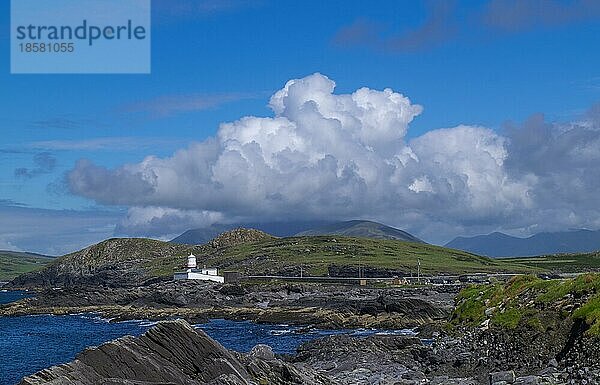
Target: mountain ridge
{"type": "Point", "coordinates": [498, 244]}
{"type": "Point", "coordinates": [352, 228]}
{"type": "Point", "coordinates": [362, 228]}
{"type": "Point", "coordinates": [203, 235]}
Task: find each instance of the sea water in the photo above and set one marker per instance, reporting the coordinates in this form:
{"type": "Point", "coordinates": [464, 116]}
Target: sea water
{"type": "Point", "coordinates": [12, 296]}
{"type": "Point", "coordinates": [31, 343]}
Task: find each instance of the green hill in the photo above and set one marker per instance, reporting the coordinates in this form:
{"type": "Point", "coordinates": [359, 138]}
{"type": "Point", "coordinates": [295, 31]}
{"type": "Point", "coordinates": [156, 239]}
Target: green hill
{"type": "Point", "coordinates": [134, 261]}
{"type": "Point", "coordinates": [14, 263]}
{"type": "Point", "coordinates": [563, 263]}
{"type": "Point", "coordinates": [317, 253]}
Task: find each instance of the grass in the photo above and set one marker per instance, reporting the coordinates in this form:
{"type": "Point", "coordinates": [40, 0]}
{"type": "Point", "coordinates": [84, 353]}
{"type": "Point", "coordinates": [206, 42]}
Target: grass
{"type": "Point", "coordinates": [530, 301]}
{"type": "Point", "coordinates": [590, 312]}
{"type": "Point", "coordinates": [316, 254]}
{"type": "Point", "coordinates": [565, 263]}
{"type": "Point", "coordinates": [285, 256]}
{"type": "Point", "coordinates": [157, 257]}
{"type": "Point", "coordinates": [472, 304]}
{"type": "Point", "coordinates": [509, 318]}
{"type": "Point", "coordinates": [13, 264]}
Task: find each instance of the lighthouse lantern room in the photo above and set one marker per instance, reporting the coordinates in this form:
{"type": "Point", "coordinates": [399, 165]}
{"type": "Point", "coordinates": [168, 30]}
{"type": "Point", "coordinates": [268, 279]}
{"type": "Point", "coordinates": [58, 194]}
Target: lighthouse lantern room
{"type": "Point", "coordinates": [191, 264]}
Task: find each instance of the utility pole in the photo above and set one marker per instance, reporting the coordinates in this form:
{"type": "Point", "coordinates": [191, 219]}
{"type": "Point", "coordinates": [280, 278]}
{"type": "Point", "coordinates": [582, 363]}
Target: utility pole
{"type": "Point", "coordinates": [360, 270]}
{"type": "Point", "coordinates": [418, 270]}
{"type": "Point", "coordinates": [301, 272]}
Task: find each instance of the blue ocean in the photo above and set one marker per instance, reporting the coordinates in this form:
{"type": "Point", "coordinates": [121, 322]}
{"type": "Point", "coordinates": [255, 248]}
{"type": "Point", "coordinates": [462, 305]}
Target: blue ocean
{"type": "Point", "coordinates": [12, 296]}
{"type": "Point", "coordinates": [32, 343]}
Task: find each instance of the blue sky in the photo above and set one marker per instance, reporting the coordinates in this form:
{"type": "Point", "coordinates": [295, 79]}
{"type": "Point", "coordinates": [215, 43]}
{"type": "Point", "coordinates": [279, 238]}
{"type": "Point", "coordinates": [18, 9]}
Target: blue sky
{"type": "Point", "coordinates": [476, 63]}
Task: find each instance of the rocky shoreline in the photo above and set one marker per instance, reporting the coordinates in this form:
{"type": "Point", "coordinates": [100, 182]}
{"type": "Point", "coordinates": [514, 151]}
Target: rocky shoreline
{"type": "Point", "coordinates": [319, 305]}
{"type": "Point", "coordinates": [466, 342]}
{"type": "Point", "coordinates": [174, 353]}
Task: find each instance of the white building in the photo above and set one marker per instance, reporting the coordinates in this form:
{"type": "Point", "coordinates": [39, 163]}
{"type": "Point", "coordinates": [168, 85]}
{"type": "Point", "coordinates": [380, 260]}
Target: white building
{"type": "Point", "coordinates": [204, 274]}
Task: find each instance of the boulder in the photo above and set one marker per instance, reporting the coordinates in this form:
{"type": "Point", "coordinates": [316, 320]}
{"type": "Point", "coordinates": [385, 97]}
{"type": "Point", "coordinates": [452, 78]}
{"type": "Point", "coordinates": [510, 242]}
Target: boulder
{"type": "Point", "coordinates": [263, 352]}
{"type": "Point", "coordinates": [507, 377]}
{"type": "Point", "coordinates": [528, 380]}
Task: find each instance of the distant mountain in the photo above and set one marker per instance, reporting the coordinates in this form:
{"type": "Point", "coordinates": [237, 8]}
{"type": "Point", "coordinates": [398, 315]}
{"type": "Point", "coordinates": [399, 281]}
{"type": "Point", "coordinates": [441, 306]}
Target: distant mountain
{"type": "Point", "coordinates": [356, 228]}
{"type": "Point", "coordinates": [14, 263]}
{"type": "Point", "coordinates": [23, 254]}
{"type": "Point", "coordinates": [502, 245]}
{"type": "Point", "coordinates": [200, 236]}
{"type": "Point", "coordinates": [361, 229]}
{"type": "Point", "coordinates": [278, 229]}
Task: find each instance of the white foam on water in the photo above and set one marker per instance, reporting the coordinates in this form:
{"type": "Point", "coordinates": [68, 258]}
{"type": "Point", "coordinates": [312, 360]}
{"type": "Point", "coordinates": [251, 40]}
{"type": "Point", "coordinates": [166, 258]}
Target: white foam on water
{"type": "Point", "coordinates": [147, 324]}
{"type": "Point", "coordinates": [403, 332]}
{"type": "Point", "coordinates": [280, 332]}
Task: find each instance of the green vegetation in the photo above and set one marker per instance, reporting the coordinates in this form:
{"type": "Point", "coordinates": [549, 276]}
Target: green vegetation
{"type": "Point", "coordinates": [565, 263]}
{"type": "Point", "coordinates": [527, 300]}
{"type": "Point", "coordinates": [590, 312]}
{"type": "Point", "coordinates": [13, 264]}
{"type": "Point", "coordinates": [316, 254]}
{"type": "Point", "coordinates": [472, 304]}
{"type": "Point", "coordinates": [251, 252]}
{"type": "Point", "coordinates": [157, 257]}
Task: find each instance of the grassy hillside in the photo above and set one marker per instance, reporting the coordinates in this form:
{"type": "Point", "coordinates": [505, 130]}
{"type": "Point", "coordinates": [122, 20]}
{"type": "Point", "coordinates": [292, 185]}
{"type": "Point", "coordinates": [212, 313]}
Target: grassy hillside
{"type": "Point", "coordinates": [251, 252]}
{"type": "Point", "coordinates": [126, 254]}
{"type": "Point", "coordinates": [13, 263]}
{"type": "Point", "coordinates": [527, 301]}
{"type": "Point", "coordinates": [567, 263]}
{"type": "Point", "coordinates": [315, 254]}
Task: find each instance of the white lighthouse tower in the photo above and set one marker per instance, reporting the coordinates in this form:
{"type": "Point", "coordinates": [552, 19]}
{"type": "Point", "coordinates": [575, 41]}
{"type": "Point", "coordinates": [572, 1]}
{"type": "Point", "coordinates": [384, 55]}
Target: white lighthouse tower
{"type": "Point", "coordinates": [191, 263]}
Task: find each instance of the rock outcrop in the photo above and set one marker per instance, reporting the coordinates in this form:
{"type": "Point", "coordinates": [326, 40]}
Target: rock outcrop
{"type": "Point", "coordinates": [320, 305]}
{"type": "Point", "coordinates": [487, 352]}
{"type": "Point", "coordinates": [239, 236]}
{"type": "Point", "coordinates": [118, 262]}
{"type": "Point", "coordinates": [404, 360]}
{"type": "Point", "coordinates": [372, 360]}
{"type": "Point", "coordinates": [170, 353]}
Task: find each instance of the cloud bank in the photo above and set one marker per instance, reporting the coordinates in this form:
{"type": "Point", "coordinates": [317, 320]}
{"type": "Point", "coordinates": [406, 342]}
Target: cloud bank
{"type": "Point", "coordinates": [339, 156]}
{"type": "Point", "coordinates": [52, 232]}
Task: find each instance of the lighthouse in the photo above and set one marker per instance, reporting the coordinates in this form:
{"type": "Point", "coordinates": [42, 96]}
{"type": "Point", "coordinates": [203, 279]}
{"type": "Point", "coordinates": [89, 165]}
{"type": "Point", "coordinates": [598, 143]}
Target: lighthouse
{"type": "Point", "coordinates": [192, 272]}
{"type": "Point", "coordinates": [191, 263]}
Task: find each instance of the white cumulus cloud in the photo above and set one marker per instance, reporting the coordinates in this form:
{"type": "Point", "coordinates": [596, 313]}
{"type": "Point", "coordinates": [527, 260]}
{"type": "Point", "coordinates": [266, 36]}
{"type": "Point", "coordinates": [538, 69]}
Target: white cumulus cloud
{"type": "Point", "coordinates": [338, 156]}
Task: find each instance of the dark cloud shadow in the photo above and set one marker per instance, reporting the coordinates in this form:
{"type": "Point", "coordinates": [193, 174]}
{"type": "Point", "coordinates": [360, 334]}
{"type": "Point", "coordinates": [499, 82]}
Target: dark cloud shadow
{"type": "Point", "coordinates": [520, 15]}
{"type": "Point", "coordinates": [437, 29]}
{"type": "Point", "coordinates": [44, 163]}
{"type": "Point", "coordinates": [445, 22]}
